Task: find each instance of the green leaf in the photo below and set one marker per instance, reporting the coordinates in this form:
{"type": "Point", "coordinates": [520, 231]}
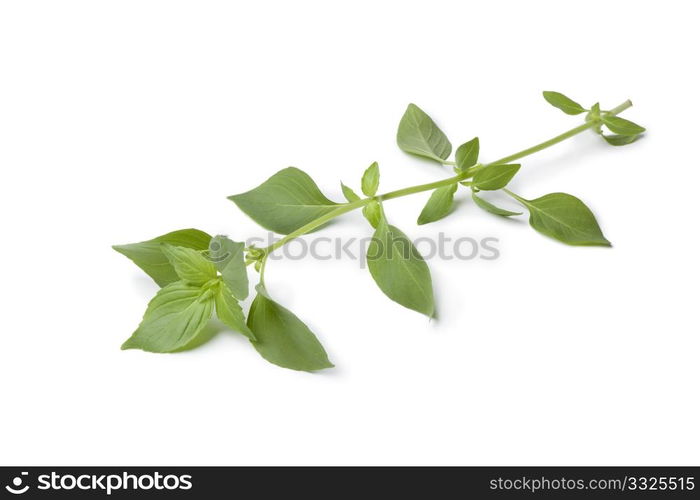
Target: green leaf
{"type": "Point", "coordinates": [594, 113]}
{"type": "Point", "coordinates": [230, 313]}
{"type": "Point", "coordinates": [227, 256]}
{"type": "Point", "coordinates": [285, 202]}
{"type": "Point", "coordinates": [439, 204]}
{"type": "Point", "coordinates": [370, 180]}
{"type": "Point", "coordinates": [594, 116]}
{"type": "Point", "coordinates": [282, 338]}
{"type": "Point", "coordinates": [173, 319]}
{"type": "Point", "coordinates": [491, 208]}
{"type": "Point", "coordinates": [149, 256]}
{"type": "Point", "coordinates": [564, 218]}
{"type": "Point", "coordinates": [399, 270]}
{"type": "Point", "coordinates": [620, 140]}
{"type": "Point", "coordinates": [372, 212]}
{"type": "Point", "coordinates": [494, 177]}
{"type": "Point", "coordinates": [419, 135]}
{"type": "Point", "coordinates": [621, 126]}
{"type": "Point", "coordinates": [564, 103]}
{"type": "Point", "coordinates": [467, 155]}
{"type": "Point", "coordinates": [190, 265]}
{"type": "Point", "coordinates": [349, 194]}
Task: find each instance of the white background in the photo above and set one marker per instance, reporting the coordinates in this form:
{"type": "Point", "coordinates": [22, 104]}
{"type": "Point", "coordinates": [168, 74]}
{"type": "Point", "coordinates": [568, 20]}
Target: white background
{"type": "Point", "coordinates": [120, 121]}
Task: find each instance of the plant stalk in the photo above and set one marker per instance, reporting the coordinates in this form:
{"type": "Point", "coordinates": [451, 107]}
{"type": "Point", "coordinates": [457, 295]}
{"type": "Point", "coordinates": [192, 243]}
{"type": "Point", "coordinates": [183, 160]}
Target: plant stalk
{"type": "Point", "coordinates": [349, 207]}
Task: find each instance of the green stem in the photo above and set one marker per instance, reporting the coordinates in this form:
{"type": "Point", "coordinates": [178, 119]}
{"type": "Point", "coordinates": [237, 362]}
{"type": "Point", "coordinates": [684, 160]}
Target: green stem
{"type": "Point", "coordinates": [342, 209]}
{"type": "Point", "coordinates": [559, 138]}
{"type": "Point", "coordinates": [349, 207]}
{"type": "Point", "coordinates": [262, 270]}
{"type": "Point", "coordinates": [515, 196]}
{"type": "Point", "coordinates": [422, 187]}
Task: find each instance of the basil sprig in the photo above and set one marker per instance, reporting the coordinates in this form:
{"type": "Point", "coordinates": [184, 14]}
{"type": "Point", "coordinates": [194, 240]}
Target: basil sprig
{"type": "Point", "coordinates": [202, 277]}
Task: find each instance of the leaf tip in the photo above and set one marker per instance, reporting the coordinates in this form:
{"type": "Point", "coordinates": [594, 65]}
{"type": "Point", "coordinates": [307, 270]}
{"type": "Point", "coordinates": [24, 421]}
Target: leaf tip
{"type": "Point", "coordinates": [128, 344]}
{"type": "Point", "coordinates": [326, 366]}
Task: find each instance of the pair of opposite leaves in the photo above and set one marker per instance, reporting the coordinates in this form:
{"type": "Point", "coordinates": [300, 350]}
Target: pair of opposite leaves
{"type": "Point", "coordinates": [200, 276]}
{"type": "Point", "coordinates": [290, 199]}
{"type": "Point", "coordinates": [623, 131]}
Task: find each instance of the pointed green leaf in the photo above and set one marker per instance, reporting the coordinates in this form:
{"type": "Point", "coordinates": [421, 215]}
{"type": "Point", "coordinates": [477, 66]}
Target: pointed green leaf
{"type": "Point", "coordinates": [227, 256]}
{"type": "Point", "coordinates": [564, 218]}
{"type": "Point", "coordinates": [190, 265]}
{"type": "Point", "coordinates": [173, 319]}
{"type": "Point", "coordinates": [494, 177]}
{"type": "Point", "coordinates": [372, 212]}
{"type": "Point", "coordinates": [467, 155]}
{"type": "Point", "coordinates": [491, 208]}
{"type": "Point", "coordinates": [399, 270]}
{"type": "Point", "coordinates": [620, 140]}
{"type": "Point", "coordinates": [282, 338]}
{"type": "Point", "coordinates": [285, 202]}
{"type": "Point", "coordinates": [349, 194]}
{"type": "Point", "coordinates": [419, 135]}
{"type": "Point", "coordinates": [562, 102]}
{"type": "Point", "coordinates": [149, 256]}
{"type": "Point", "coordinates": [370, 180]}
{"type": "Point", "coordinates": [230, 313]}
{"type": "Point", "coordinates": [621, 126]}
{"type": "Point", "coordinates": [439, 204]}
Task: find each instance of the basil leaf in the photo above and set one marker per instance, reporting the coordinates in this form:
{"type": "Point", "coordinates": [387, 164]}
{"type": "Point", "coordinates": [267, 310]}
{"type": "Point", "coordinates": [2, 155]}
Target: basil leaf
{"type": "Point", "coordinates": [370, 180]}
{"type": "Point", "coordinates": [494, 177]}
{"type": "Point", "coordinates": [190, 265]}
{"type": "Point", "coordinates": [149, 256]}
{"type": "Point", "coordinates": [419, 135]}
{"type": "Point", "coordinates": [621, 126]}
{"type": "Point", "coordinates": [562, 102]}
{"type": "Point", "coordinates": [372, 212]}
{"type": "Point", "coordinates": [467, 155]}
{"type": "Point", "coordinates": [564, 218]}
{"type": "Point", "coordinates": [173, 319]}
{"type": "Point", "coordinates": [282, 338]}
{"type": "Point", "coordinates": [227, 256]}
{"type": "Point", "coordinates": [594, 116]}
{"type": "Point", "coordinates": [399, 270]}
{"type": "Point", "coordinates": [349, 194]}
{"type": "Point", "coordinates": [285, 202]}
{"type": "Point", "coordinates": [620, 140]}
{"type": "Point", "coordinates": [439, 204]}
{"type": "Point", "coordinates": [491, 208]}
{"type": "Point", "coordinates": [230, 313]}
